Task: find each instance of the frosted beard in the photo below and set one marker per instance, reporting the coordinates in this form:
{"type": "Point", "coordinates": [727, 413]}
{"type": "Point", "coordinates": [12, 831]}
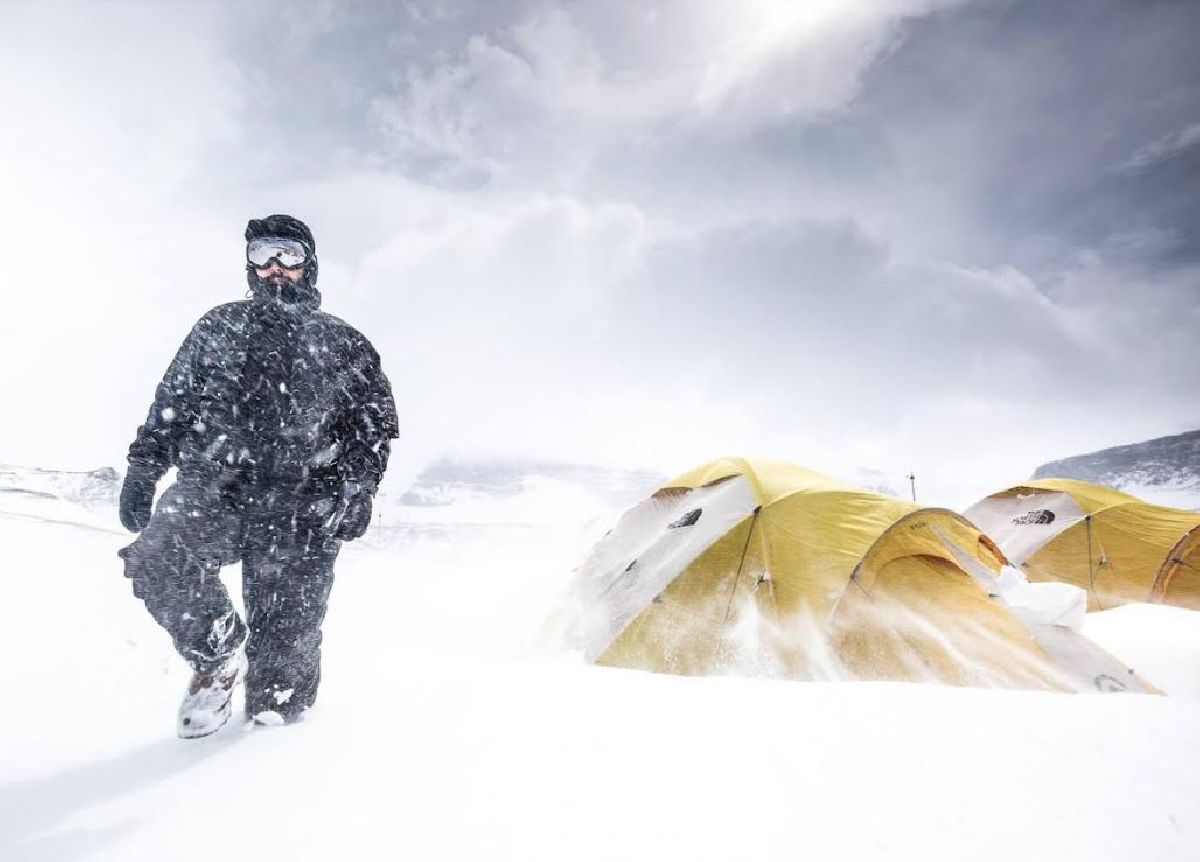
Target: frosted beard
{"type": "Point", "coordinates": [299, 294]}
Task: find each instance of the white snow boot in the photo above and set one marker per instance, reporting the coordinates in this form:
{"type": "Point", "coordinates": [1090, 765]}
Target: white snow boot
{"type": "Point", "coordinates": [208, 702]}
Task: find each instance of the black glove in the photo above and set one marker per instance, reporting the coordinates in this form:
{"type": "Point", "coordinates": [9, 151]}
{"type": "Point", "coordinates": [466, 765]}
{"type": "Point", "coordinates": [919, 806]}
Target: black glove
{"type": "Point", "coordinates": [137, 498]}
{"type": "Point", "coordinates": [356, 518]}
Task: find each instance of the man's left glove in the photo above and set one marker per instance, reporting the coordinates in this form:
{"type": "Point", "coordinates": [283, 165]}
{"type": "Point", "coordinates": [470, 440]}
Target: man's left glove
{"type": "Point", "coordinates": [137, 499]}
{"type": "Point", "coordinates": [356, 518]}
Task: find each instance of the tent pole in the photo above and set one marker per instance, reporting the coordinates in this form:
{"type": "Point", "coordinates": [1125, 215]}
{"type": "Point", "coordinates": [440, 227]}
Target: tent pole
{"type": "Point", "coordinates": [741, 563]}
{"type": "Point", "coordinates": [1091, 568]}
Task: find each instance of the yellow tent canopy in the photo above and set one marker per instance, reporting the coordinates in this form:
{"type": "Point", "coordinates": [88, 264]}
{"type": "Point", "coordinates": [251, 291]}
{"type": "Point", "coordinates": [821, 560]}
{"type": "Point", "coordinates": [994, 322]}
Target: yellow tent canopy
{"type": "Point", "coordinates": [1117, 547]}
{"type": "Point", "coordinates": [766, 567]}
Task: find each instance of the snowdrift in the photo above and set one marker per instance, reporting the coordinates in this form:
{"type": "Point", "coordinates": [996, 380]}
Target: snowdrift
{"type": "Point", "coordinates": [443, 733]}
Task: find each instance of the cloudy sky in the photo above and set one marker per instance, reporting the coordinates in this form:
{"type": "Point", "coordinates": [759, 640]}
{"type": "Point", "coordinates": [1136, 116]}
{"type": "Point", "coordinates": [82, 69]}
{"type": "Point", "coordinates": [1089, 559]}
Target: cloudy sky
{"type": "Point", "coordinates": [958, 238]}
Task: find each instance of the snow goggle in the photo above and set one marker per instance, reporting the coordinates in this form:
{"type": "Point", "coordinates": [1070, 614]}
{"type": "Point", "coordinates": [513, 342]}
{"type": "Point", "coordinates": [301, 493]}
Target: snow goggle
{"type": "Point", "coordinates": [288, 252]}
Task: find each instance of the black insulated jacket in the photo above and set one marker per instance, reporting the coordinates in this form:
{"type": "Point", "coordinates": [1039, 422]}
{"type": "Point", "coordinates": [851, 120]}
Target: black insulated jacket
{"type": "Point", "coordinates": [274, 392]}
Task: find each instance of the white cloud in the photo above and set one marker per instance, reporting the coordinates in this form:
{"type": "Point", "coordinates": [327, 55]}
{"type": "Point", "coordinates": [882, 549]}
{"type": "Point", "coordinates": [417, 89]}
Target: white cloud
{"type": "Point", "coordinates": [114, 120]}
{"type": "Point", "coordinates": [650, 232]}
{"type": "Point", "coordinates": [1164, 147]}
{"type": "Point", "coordinates": [541, 99]}
{"type": "Point", "coordinates": [110, 118]}
{"type": "Point", "coordinates": [778, 59]}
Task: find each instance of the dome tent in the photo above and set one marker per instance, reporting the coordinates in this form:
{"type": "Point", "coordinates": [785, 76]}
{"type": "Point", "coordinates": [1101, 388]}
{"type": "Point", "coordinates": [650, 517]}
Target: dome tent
{"type": "Point", "coordinates": [1118, 548]}
{"type": "Point", "coordinates": [766, 567]}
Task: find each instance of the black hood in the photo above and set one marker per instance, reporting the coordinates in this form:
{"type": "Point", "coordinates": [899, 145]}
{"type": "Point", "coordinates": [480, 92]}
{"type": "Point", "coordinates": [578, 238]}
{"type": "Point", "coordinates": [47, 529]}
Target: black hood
{"type": "Point", "coordinates": [302, 295]}
{"type": "Point", "coordinates": [282, 226]}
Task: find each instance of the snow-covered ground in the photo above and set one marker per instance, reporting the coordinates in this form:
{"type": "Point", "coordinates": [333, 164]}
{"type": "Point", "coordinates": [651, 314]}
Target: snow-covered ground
{"type": "Point", "coordinates": [451, 725]}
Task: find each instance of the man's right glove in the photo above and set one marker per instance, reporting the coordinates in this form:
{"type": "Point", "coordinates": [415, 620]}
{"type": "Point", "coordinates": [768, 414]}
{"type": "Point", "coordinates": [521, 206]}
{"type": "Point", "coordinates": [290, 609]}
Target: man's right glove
{"type": "Point", "coordinates": [137, 499]}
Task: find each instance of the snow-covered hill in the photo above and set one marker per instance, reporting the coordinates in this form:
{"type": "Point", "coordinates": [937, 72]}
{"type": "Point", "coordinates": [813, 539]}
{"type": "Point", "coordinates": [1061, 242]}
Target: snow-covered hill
{"type": "Point", "coordinates": [86, 499]}
{"type": "Point", "coordinates": [1165, 470]}
{"type": "Point", "coordinates": [449, 496]}
{"type": "Point", "coordinates": [447, 482]}
{"type": "Point", "coordinates": [90, 489]}
{"type": "Point", "coordinates": [449, 727]}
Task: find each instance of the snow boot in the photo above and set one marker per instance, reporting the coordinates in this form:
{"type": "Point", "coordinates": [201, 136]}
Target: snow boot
{"type": "Point", "coordinates": [207, 704]}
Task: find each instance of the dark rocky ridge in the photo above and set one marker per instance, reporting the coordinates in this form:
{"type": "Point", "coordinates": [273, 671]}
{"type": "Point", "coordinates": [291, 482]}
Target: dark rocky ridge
{"type": "Point", "coordinates": [1164, 461]}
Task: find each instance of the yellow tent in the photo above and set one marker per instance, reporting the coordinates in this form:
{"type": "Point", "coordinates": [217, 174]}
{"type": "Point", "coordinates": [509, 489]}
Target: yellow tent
{"type": "Point", "coordinates": [765, 567]}
{"type": "Point", "coordinates": [1117, 547]}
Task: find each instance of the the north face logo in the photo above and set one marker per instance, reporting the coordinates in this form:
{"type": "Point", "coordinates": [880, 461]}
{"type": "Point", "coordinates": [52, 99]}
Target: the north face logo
{"type": "Point", "coordinates": [1037, 516]}
{"type": "Point", "coordinates": [686, 521]}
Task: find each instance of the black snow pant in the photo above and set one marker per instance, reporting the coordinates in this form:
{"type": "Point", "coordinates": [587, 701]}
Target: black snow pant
{"type": "Point", "coordinates": [275, 530]}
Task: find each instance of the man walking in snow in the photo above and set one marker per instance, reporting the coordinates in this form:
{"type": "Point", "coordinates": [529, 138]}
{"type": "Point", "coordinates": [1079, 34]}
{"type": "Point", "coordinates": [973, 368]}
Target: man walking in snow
{"type": "Point", "coordinates": [279, 419]}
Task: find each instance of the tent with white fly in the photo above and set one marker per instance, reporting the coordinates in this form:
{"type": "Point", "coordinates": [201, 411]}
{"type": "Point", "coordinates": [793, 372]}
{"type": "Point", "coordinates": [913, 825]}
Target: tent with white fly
{"type": "Point", "coordinates": [1117, 547]}
{"type": "Point", "coordinates": [758, 566]}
